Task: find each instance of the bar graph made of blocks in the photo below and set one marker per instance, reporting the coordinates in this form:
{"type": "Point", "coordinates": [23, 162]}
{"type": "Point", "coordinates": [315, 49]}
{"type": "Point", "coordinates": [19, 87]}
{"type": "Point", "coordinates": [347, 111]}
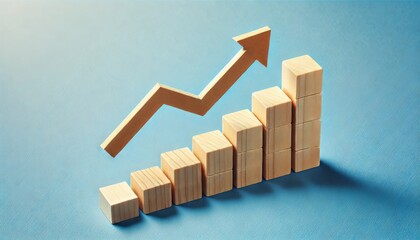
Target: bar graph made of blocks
{"type": "Point", "coordinates": [279, 134]}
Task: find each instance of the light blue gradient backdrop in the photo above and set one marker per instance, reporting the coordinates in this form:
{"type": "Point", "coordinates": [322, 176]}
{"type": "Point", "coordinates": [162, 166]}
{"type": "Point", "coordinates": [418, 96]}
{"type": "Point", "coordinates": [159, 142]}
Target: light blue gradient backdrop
{"type": "Point", "coordinates": [70, 71]}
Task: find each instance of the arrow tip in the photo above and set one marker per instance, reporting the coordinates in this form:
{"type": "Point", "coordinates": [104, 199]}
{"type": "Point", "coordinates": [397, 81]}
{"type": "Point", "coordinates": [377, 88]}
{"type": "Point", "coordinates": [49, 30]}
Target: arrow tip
{"type": "Point", "coordinates": [257, 43]}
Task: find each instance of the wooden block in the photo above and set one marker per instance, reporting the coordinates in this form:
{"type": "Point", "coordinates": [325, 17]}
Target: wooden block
{"type": "Point", "coordinates": [247, 168]}
{"type": "Point", "coordinates": [272, 107]}
{"type": "Point", "coordinates": [307, 134]}
{"type": "Point", "coordinates": [301, 76]}
{"type": "Point", "coordinates": [183, 169]}
{"type": "Point", "coordinates": [152, 188]}
{"type": "Point", "coordinates": [214, 151]}
{"type": "Point", "coordinates": [277, 139]}
{"type": "Point", "coordinates": [305, 159]}
{"type": "Point", "coordinates": [118, 202]}
{"type": "Point", "coordinates": [277, 164]}
{"type": "Point", "coordinates": [307, 108]}
{"type": "Point", "coordinates": [217, 183]}
{"type": "Point", "coordinates": [243, 130]}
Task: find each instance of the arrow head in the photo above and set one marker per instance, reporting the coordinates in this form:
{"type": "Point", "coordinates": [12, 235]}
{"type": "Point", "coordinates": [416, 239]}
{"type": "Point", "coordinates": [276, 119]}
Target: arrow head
{"type": "Point", "coordinates": [257, 43]}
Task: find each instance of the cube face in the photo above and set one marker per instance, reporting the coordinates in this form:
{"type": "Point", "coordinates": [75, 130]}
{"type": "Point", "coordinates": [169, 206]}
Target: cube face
{"type": "Point", "coordinates": [307, 108]}
{"type": "Point", "coordinates": [305, 159]}
{"type": "Point", "coordinates": [272, 107]}
{"type": "Point", "coordinates": [306, 135]}
{"type": "Point", "coordinates": [243, 130]}
{"type": "Point", "coordinates": [247, 168]}
{"type": "Point", "coordinates": [183, 169]}
{"type": "Point", "coordinates": [217, 183]}
{"type": "Point", "coordinates": [277, 164]}
{"type": "Point", "coordinates": [214, 151]}
{"type": "Point", "coordinates": [278, 138]}
{"type": "Point", "coordinates": [301, 76]}
{"type": "Point", "coordinates": [153, 189]}
{"type": "Point", "coordinates": [118, 202]}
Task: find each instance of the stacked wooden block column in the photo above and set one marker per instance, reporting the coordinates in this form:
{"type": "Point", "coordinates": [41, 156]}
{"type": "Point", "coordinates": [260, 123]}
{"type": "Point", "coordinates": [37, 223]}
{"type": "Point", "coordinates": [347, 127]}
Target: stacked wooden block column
{"type": "Point", "coordinates": [244, 131]}
{"type": "Point", "coordinates": [183, 169]}
{"type": "Point", "coordinates": [302, 82]}
{"type": "Point", "coordinates": [274, 109]}
{"type": "Point", "coordinates": [215, 153]}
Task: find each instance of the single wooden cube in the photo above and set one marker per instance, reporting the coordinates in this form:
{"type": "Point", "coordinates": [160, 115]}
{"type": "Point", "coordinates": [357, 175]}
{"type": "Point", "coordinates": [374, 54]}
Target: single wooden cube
{"type": "Point", "coordinates": [214, 151]}
{"type": "Point", "coordinates": [247, 168]}
{"type": "Point", "coordinates": [243, 130]}
{"type": "Point", "coordinates": [307, 108]}
{"type": "Point", "coordinates": [183, 168]}
{"type": "Point", "coordinates": [305, 159]}
{"type": "Point", "coordinates": [152, 188]}
{"type": "Point", "coordinates": [272, 107]}
{"type": "Point", "coordinates": [277, 139]}
{"type": "Point", "coordinates": [301, 76]}
{"type": "Point", "coordinates": [307, 134]}
{"type": "Point", "coordinates": [217, 183]}
{"type": "Point", "coordinates": [118, 202]}
{"type": "Point", "coordinates": [277, 164]}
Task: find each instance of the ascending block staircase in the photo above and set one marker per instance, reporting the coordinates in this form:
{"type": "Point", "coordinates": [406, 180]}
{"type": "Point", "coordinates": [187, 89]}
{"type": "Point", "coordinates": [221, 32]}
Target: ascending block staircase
{"type": "Point", "coordinates": [281, 133]}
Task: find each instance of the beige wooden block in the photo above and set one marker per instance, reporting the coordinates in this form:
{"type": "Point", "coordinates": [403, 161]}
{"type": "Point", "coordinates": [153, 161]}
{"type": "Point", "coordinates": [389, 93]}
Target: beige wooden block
{"type": "Point", "coordinates": [243, 130]}
{"type": "Point", "coordinates": [217, 183]}
{"type": "Point", "coordinates": [301, 76]}
{"type": "Point", "coordinates": [277, 164]}
{"type": "Point", "coordinates": [183, 169]}
{"type": "Point", "coordinates": [307, 108]}
{"type": "Point", "coordinates": [118, 202]}
{"type": "Point", "coordinates": [247, 168]}
{"type": "Point", "coordinates": [152, 188]}
{"type": "Point", "coordinates": [214, 151]}
{"type": "Point", "coordinates": [277, 139]}
{"type": "Point", "coordinates": [307, 134]}
{"type": "Point", "coordinates": [305, 159]}
{"type": "Point", "coordinates": [272, 107]}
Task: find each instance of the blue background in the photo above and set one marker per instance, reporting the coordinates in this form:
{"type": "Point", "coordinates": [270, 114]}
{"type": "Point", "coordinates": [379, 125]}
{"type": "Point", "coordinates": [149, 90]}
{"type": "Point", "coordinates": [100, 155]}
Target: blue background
{"type": "Point", "coordinates": [70, 71]}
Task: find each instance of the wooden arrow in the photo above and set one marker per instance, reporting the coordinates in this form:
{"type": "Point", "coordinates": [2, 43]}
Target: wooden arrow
{"type": "Point", "coordinates": [255, 47]}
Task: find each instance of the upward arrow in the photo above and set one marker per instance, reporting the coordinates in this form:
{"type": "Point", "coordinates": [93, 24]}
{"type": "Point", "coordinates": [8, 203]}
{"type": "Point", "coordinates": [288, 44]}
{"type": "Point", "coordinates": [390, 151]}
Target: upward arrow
{"type": "Point", "coordinates": [255, 47]}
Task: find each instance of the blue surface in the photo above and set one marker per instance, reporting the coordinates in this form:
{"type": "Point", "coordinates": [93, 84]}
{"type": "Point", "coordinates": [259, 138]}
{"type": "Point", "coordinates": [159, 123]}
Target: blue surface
{"type": "Point", "coordinates": [70, 71]}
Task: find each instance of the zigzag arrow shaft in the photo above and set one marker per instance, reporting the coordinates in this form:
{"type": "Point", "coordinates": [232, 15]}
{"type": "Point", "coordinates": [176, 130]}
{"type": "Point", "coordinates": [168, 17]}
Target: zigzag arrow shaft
{"type": "Point", "coordinates": [161, 95]}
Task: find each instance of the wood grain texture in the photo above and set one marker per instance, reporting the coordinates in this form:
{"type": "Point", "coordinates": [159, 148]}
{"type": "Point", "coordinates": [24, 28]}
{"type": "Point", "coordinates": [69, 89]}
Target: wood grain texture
{"type": "Point", "coordinates": [118, 202]}
{"type": "Point", "coordinates": [307, 134]}
{"type": "Point", "coordinates": [183, 169]}
{"type": "Point", "coordinates": [277, 164]}
{"type": "Point", "coordinates": [305, 159]}
{"type": "Point", "coordinates": [301, 76]}
{"type": "Point", "coordinates": [255, 47]}
{"type": "Point", "coordinates": [214, 151]}
{"type": "Point", "coordinates": [277, 139]}
{"type": "Point", "coordinates": [152, 188]}
{"type": "Point", "coordinates": [217, 183]}
{"type": "Point", "coordinates": [247, 168]}
{"type": "Point", "coordinates": [272, 107]}
{"type": "Point", "coordinates": [307, 108]}
{"type": "Point", "coordinates": [243, 130]}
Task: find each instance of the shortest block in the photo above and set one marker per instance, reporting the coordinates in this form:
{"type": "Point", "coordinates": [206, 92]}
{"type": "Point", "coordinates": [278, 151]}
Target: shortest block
{"type": "Point", "coordinates": [153, 189]}
{"type": "Point", "coordinates": [305, 159]}
{"type": "Point", "coordinates": [118, 202]}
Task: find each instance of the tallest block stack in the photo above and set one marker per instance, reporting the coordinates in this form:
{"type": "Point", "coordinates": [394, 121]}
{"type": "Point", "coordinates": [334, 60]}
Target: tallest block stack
{"type": "Point", "coordinates": [302, 82]}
